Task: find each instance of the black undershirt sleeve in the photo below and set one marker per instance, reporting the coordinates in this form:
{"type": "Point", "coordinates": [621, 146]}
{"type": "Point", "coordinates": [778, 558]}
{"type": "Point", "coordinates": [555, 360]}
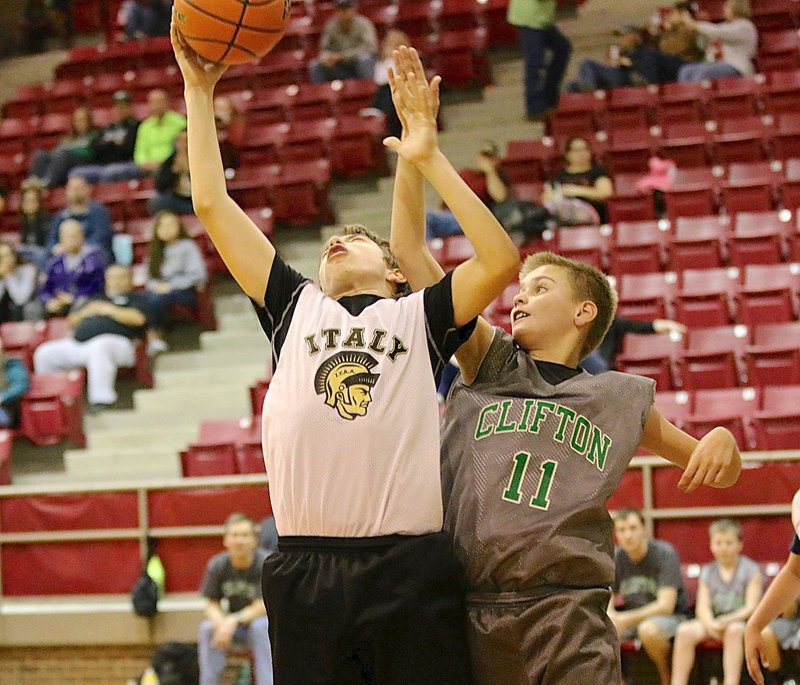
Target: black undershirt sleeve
{"type": "Point", "coordinates": [280, 299]}
{"type": "Point", "coordinates": [795, 548]}
{"type": "Point", "coordinates": [444, 337]}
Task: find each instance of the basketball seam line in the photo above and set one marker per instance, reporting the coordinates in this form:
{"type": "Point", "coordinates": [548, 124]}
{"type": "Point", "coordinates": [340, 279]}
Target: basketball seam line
{"type": "Point", "coordinates": [235, 32]}
{"type": "Point", "coordinates": [219, 41]}
{"type": "Point", "coordinates": [230, 22]}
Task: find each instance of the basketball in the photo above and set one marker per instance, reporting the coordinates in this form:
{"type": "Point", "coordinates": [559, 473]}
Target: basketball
{"type": "Point", "coordinates": [232, 31]}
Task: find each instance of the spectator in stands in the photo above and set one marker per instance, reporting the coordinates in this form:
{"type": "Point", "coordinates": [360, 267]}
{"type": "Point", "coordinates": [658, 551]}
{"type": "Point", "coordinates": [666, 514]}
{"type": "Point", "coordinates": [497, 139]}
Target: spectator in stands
{"type": "Point", "coordinates": [145, 18]}
{"type": "Point", "coordinates": [268, 535]}
{"type": "Point", "coordinates": [14, 383]}
{"type": "Point", "coordinates": [156, 135]}
{"type": "Point", "coordinates": [112, 146]}
{"type": "Point", "coordinates": [230, 130]}
{"type": "Point", "coordinates": [52, 167]}
{"type": "Point", "coordinates": [486, 180]}
{"type": "Point", "coordinates": [580, 179]}
{"type": "Point", "coordinates": [173, 183]}
{"type": "Point", "coordinates": [103, 333]}
{"type": "Point", "coordinates": [348, 46]}
{"type": "Point", "coordinates": [18, 281]}
{"type": "Point", "coordinates": [235, 612]}
{"type": "Point", "coordinates": [782, 634]}
{"type": "Point", "coordinates": [779, 597]}
{"type": "Point", "coordinates": [649, 598]}
{"type": "Point", "coordinates": [674, 46]}
{"type": "Point", "coordinates": [35, 27]}
{"type": "Point", "coordinates": [539, 36]}
{"type": "Point", "coordinates": [175, 271]}
{"type": "Point", "coordinates": [731, 45]}
{"type": "Point", "coordinates": [383, 96]}
{"type": "Point", "coordinates": [727, 594]}
{"type": "Point", "coordinates": [93, 217]}
{"type": "Point", "coordinates": [618, 70]}
{"type": "Point", "coordinates": [3, 198]}
{"type": "Point", "coordinates": [605, 356]}
{"type": "Point", "coordinates": [34, 224]}
{"type": "Point", "coordinates": [73, 274]}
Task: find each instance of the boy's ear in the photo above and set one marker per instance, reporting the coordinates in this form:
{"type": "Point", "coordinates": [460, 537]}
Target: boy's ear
{"type": "Point", "coordinates": [585, 313]}
{"type": "Point", "coordinates": [395, 276]}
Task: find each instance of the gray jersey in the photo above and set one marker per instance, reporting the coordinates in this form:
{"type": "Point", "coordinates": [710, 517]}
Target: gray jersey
{"type": "Point", "coordinates": [728, 596]}
{"type": "Point", "coordinates": [527, 468]}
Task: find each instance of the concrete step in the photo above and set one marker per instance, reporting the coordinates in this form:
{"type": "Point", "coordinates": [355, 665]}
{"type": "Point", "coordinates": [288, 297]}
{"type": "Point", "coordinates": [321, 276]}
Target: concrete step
{"type": "Point", "coordinates": [166, 416]}
{"type": "Point", "coordinates": [167, 437]}
{"type": "Point", "coordinates": [213, 357]}
{"type": "Point", "coordinates": [120, 465]}
{"type": "Point", "coordinates": [241, 375]}
{"type": "Point", "coordinates": [198, 401]}
{"type": "Point", "coordinates": [235, 322]}
{"type": "Point", "coordinates": [236, 304]}
{"type": "Point", "coordinates": [234, 342]}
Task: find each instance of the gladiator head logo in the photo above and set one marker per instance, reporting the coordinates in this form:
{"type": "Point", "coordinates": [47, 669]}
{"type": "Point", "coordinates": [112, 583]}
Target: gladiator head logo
{"type": "Point", "coordinates": [346, 380]}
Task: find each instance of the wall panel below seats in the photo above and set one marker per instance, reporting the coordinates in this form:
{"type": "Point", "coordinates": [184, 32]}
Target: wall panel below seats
{"type": "Point", "coordinates": [206, 506]}
{"type": "Point", "coordinates": [766, 483]}
{"type": "Point", "coordinates": [63, 568]}
{"type": "Point", "coordinates": [629, 492]}
{"type": "Point", "coordinates": [766, 538]}
{"type": "Point", "coordinates": [79, 511]}
{"type": "Point", "coordinates": [185, 560]}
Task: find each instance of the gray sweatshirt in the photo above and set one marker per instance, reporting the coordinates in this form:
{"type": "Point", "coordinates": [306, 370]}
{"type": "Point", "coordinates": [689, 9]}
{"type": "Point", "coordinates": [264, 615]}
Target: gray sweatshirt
{"type": "Point", "coordinates": [739, 40]}
{"type": "Point", "coordinates": [183, 266]}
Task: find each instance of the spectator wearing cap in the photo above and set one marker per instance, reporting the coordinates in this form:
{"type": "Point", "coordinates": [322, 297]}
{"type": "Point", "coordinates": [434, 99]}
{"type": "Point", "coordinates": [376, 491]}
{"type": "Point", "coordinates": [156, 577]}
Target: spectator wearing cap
{"type": "Point", "coordinates": [348, 47]}
{"type": "Point", "coordinates": [545, 50]}
{"type": "Point", "coordinates": [112, 146]}
{"type": "Point", "coordinates": [616, 71]}
{"type": "Point", "coordinates": [731, 45]}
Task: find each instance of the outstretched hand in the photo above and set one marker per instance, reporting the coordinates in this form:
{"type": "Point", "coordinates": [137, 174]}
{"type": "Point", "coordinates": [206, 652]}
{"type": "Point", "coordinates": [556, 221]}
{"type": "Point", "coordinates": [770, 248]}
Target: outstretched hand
{"type": "Point", "coordinates": [417, 104]}
{"type": "Point", "coordinates": [715, 461]}
{"type": "Point", "coordinates": [196, 71]}
{"type": "Point", "coordinates": [755, 655]}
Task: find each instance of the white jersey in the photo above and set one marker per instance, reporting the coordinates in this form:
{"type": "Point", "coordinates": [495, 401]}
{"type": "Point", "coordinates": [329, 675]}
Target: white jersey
{"type": "Point", "coordinates": [350, 421]}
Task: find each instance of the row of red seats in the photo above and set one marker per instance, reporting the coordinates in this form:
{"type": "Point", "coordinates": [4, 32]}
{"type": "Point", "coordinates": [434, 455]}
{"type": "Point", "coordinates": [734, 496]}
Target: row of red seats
{"type": "Point", "coordinates": [676, 102]}
{"type": "Point", "coordinates": [225, 448]}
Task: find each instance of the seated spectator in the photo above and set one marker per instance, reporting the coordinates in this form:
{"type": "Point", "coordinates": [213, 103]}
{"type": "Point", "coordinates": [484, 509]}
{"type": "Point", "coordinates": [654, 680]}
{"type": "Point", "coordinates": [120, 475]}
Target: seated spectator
{"type": "Point", "coordinates": [580, 179]}
{"type": "Point", "coordinates": [73, 274]}
{"type": "Point", "coordinates": [18, 282]}
{"type": "Point", "coordinates": [52, 167]}
{"type": "Point", "coordinates": [175, 270]}
{"type": "Point", "coordinates": [732, 45]}
{"type": "Point", "coordinates": [230, 130]}
{"type": "Point", "coordinates": [617, 70]}
{"type": "Point", "coordinates": [145, 18]}
{"type": "Point", "coordinates": [649, 598]}
{"type": "Point", "coordinates": [268, 535]}
{"type": "Point", "coordinates": [93, 217]}
{"type": "Point", "coordinates": [487, 182]}
{"type": "Point", "coordinates": [782, 634]}
{"type": "Point", "coordinates": [34, 224]}
{"type": "Point", "coordinates": [103, 333]}
{"type": "Point", "coordinates": [14, 383]}
{"type": "Point", "coordinates": [383, 96]}
{"type": "Point", "coordinates": [112, 146]}
{"type": "Point", "coordinates": [728, 592]}
{"type": "Point", "coordinates": [35, 27]}
{"type": "Point", "coordinates": [605, 356]}
{"type": "Point", "coordinates": [235, 612]}
{"type": "Point", "coordinates": [348, 46]}
{"type": "Point", "coordinates": [674, 46]}
{"type": "Point", "coordinates": [173, 183]}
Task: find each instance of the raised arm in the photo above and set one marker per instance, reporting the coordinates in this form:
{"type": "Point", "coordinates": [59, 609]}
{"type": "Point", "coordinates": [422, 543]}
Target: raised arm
{"type": "Point", "coordinates": [480, 279]}
{"type": "Point", "coordinates": [714, 460]}
{"type": "Point", "coordinates": [246, 251]}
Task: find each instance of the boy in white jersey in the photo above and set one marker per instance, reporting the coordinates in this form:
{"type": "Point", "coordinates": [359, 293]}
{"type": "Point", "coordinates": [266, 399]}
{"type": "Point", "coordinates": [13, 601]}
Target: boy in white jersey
{"type": "Point", "coordinates": [364, 587]}
{"type": "Point", "coordinates": [532, 449]}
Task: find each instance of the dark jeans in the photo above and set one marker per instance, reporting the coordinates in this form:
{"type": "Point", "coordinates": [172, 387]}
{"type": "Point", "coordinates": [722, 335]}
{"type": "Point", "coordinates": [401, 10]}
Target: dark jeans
{"type": "Point", "coordinates": [161, 303]}
{"type": "Point", "coordinates": [593, 75]}
{"type": "Point", "coordinates": [543, 76]}
{"type": "Point", "coordinates": [361, 67]}
{"type": "Point", "coordinates": [655, 66]}
{"type": "Point", "coordinates": [383, 101]}
{"type": "Point", "coordinates": [53, 166]}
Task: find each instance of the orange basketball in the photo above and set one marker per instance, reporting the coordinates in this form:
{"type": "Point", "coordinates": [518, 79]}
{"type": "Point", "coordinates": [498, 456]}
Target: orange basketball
{"type": "Point", "coordinates": [232, 31]}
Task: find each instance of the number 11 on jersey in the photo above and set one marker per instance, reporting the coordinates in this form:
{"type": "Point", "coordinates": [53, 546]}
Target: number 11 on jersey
{"type": "Point", "coordinates": [541, 500]}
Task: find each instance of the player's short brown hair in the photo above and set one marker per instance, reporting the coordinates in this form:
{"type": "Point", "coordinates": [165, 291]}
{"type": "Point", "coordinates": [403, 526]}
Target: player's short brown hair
{"type": "Point", "coordinates": [587, 283]}
{"type": "Point", "coordinates": [725, 526]}
{"type": "Point", "coordinates": [401, 289]}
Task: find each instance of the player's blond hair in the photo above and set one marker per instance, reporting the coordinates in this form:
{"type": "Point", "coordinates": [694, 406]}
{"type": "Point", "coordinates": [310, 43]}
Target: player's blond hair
{"type": "Point", "coordinates": [389, 259]}
{"type": "Point", "coordinates": [587, 283]}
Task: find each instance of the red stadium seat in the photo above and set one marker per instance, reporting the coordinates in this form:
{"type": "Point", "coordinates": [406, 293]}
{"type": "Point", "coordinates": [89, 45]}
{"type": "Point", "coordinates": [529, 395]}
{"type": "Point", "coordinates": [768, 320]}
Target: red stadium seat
{"type": "Point", "coordinates": [757, 244]}
{"type": "Point", "coordinates": [736, 96]}
{"type": "Point", "coordinates": [587, 244]}
{"type": "Point", "coordinates": [690, 201]}
{"type": "Point", "coordinates": [459, 57]}
{"type": "Point", "coordinates": [707, 297]}
{"type": "Point", "coordinates": [790, 188]}
{"type": "Point", "coordinates": [298, 191]}
{"type": "Point", "coordinates": [777, 425]}
{"type": "Point", "coordinates": [783, 91]}
{"type": "Point", "coordinates": [629, 149]}
{"type": "Point", "coordinates": [21, 338]}
{"type": "Point", "coordinates": [356, 146]}
{"type": "Point", "coordinates": [774, 357]}
{"type": "Point", "coordinates": [353, 95]}
{"type": "Point", "coordinates": [769, 293]}
{"type": "Point", "coordinates": [786, 140]}
{"type": "Point", "coordinates": [211, 459]}
{"type": "Point", "coordinates": [713, 358]}
{"type": "Point", "coordinates": [250, 457]}
{"type": "Point", "coordinates": [6, 441]}
{"type": "Point", "coordinates": [639, 247]}
{"type": "Point", "coordinates": [732, 408]}
{"type": "Point", "coordinates": [744, 139]}
{"type": "Point", "coordinates": [630, 107]}
{"type": "Point", "coordinates": [682, 101]}
{"type": "Point", "coordinates": [698, 242]}
{"type": "Point", "coordinates": [527, 160]}
{"type": "Point", "coordinates": [674, 406]}
{"type": "Point", "coordinates": [52, 409]}
{"type": "Point", "coordinates": [578, 113]}
{"type": "Point", "coordinates": [652, 356]}
{"type": "Point", "coordinates": [257, 393]}
{"type": "Point", "coordinates": [307, 101]}
{"type": "Point", "coordinates": [647, 296]}
{"type": "Point", "coordinates": [686, 143]}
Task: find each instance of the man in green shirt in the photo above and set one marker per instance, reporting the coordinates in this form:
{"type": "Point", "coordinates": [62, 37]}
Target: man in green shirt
{"type": "Point", "coordinates": [538, 34]}
{"type": "Point", "coordinates": [157, 133]}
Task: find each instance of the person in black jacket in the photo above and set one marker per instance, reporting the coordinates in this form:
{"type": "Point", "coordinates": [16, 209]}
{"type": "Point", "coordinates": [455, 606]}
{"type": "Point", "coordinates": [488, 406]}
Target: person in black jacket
{"type": "Point", "coordinates": [112, 146]}
{"type": "Point", "coordinates": [173, 183]}
{"type": "Point", "coordinates": [604, 357]}
{"type": "Point", "coordinates": [34, 225]}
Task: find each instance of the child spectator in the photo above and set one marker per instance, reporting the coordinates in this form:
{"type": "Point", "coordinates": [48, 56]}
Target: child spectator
{"type": "Point", "coordinates": [175, 270]}
{"type": "Point", "coordinates": [729, 590]}
{"type": "Point", "coordinates": [51, 167]}
{"type": "Point", "coordinates": [15, 383]}
{"type": "Point", "coordinates": [17, 287]}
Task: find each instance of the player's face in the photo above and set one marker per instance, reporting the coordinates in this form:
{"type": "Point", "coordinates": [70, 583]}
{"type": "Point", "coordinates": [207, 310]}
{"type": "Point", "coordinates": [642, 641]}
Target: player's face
{"type": "Point", "coordinates": [631, 534]}
{"type": "Point", "coordinates": [351, 263]}
{"type": "Point", "coordinates": [726, 547]}
{"type": "Point", "coordinates": [240, 539]}
{"type": "Point", "coordinates": [543, 309]}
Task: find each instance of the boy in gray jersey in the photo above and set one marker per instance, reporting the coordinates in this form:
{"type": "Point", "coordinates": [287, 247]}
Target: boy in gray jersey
{"type": "Point", "coordinates": [532, 449]}
{"type": "Point", "coordinates": [729, 589]}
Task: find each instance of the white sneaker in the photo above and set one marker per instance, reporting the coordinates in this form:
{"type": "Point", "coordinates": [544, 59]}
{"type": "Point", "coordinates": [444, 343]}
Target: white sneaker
{"type": "Point", "coordinates": [156, 346]}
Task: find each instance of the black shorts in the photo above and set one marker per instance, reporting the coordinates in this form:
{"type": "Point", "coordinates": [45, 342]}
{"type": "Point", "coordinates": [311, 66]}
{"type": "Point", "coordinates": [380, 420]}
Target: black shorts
{"type": "Point", "coordinates": [556, 636]}
{"type": "Point", "coordinates": [384, 611]}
